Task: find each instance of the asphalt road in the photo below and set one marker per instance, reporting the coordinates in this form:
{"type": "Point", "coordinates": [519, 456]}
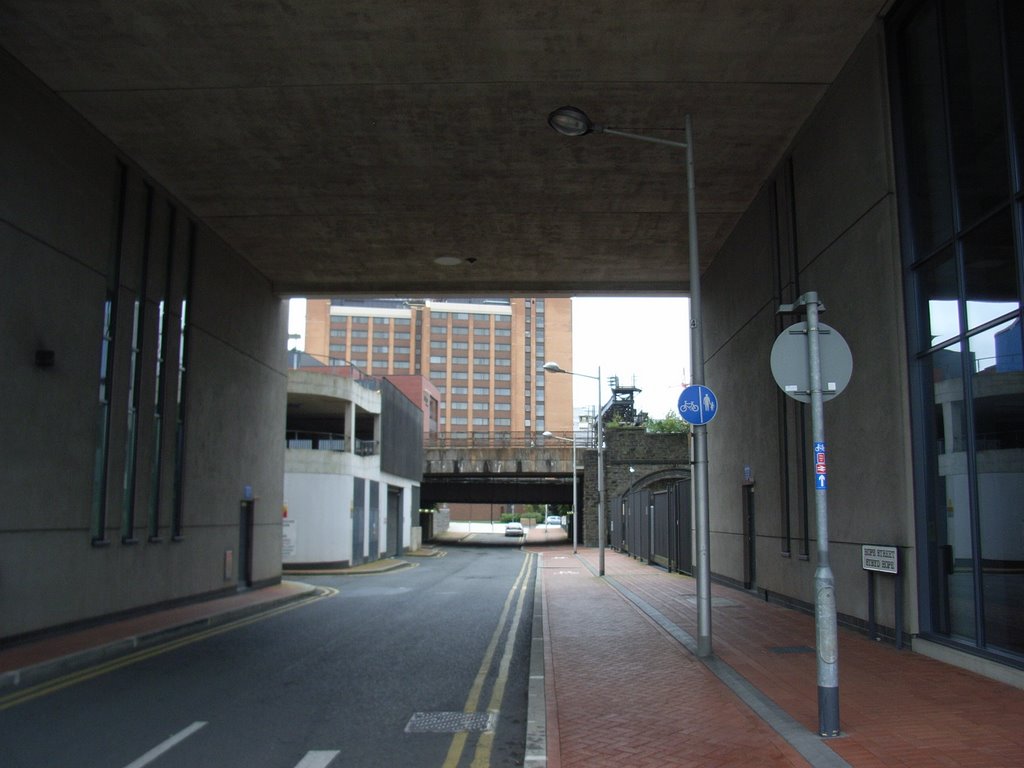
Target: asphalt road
{"type": "Point", "coordinates": [393, 669]}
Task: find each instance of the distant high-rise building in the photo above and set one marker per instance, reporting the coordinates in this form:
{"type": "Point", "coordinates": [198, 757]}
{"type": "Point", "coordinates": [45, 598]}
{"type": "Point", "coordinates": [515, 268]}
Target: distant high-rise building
{"type": "Point", "coordinates": [485, 356]}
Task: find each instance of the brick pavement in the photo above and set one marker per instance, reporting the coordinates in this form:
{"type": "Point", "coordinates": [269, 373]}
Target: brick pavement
{"type": "Point", "coordinates": [627, 694]}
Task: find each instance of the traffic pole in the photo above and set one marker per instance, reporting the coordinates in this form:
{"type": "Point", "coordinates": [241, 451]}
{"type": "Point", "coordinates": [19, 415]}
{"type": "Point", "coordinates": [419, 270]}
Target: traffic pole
{"type": "Point", "coordinates": [824, 584]}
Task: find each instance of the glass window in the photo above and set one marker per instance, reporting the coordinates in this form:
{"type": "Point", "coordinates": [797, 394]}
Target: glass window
{"type": "Point", "coordinates": [961, 98]}
{"type": "Point", "coordinates": [998, 415]}
{"type": "Point", "coordinates": [990, 271]}
{"type": "Point", "coordinates": [937, 287]}
{"type": "Point", "coordinates": [925, 144]}
{"type": "Point", "coordinates": [977, 115]}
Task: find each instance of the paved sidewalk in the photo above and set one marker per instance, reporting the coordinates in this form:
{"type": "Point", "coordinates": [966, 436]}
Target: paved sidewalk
{"type": "Point", "coordinates": [623, 689]}
{"type": "Point", "coordinates": [29, 663]}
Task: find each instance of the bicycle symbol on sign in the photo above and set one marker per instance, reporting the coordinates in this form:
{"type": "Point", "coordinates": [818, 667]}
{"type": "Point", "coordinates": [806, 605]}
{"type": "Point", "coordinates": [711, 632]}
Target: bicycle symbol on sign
{"type": "Point", "coordinates": [689, 405]}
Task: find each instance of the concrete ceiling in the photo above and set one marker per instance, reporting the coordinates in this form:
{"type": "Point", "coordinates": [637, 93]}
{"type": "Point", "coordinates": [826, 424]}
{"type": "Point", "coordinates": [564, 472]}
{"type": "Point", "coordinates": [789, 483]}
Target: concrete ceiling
{"type": "Point", "coordinates": [343, 145]}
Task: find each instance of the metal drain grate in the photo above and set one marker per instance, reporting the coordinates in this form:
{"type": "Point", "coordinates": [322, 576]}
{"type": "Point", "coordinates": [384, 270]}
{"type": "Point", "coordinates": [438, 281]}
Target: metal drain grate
{"type": "Point", "coordinates": [792, 649]}
{"type": "Point", "coordinates": [450, 722]}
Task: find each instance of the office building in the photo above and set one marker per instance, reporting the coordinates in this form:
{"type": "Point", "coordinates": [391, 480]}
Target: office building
{"type": "Point", "coordinates": [485, 356]}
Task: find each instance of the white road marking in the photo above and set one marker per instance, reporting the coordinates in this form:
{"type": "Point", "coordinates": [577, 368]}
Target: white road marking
{"type": "Point", "coordinates": [318, 758]}
{"type": "Point", "coordinates": [167, 745]}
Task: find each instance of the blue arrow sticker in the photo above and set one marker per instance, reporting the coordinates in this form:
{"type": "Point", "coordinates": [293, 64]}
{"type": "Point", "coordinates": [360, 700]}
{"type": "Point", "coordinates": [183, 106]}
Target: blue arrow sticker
{"type": "Point", "coordinates": [822, 482]}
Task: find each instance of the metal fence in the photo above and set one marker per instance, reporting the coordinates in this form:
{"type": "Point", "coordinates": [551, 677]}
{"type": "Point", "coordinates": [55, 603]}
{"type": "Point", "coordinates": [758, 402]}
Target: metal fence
{"type": "Point", "coordinates": [655, 526]}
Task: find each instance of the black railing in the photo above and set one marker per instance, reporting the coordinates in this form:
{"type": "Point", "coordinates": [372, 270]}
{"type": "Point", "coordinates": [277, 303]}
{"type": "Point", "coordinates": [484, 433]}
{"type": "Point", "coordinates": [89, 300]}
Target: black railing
{"type": "Point", "coordinates": [506, 440]}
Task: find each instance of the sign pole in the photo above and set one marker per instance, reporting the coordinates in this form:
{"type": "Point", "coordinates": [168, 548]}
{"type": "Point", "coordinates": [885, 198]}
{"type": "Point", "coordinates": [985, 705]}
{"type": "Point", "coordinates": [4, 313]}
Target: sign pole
{"type": "Point", "coordinates": [824, 583]}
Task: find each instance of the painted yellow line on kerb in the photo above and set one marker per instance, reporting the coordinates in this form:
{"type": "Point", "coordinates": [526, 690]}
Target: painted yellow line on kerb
{"type": "Point", "coordinates": [74, 678]}
{"type": "Point", "coordinates": [473, 699]}
{"type": "Point", "coordinates": [482, 755]}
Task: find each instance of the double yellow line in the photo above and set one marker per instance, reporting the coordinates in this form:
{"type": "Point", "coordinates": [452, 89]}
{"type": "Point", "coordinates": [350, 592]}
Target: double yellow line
{"type": "Point", "coordinates": [74, 678]}
{"type": "Point", "coordinates": [484, 745]}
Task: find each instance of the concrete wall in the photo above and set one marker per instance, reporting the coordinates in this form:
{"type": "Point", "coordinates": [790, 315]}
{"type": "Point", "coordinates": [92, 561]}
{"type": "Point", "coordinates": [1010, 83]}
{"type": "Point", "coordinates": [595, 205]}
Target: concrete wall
{"type": "Point", "coordinates": [826, 221]}
{"type": "Point", "coordinates": [59, 214]}
{"type": "Point", "coordinates": [320, 508]}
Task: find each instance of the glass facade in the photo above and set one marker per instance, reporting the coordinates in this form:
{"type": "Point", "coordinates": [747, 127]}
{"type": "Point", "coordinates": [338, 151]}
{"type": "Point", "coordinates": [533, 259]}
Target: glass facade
{"type": "Point", "coordinates": [959, 108]}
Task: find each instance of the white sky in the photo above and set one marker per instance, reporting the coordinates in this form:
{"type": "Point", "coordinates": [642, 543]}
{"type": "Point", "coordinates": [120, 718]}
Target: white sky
{"type": "Point", "coordinates": [643, 341]}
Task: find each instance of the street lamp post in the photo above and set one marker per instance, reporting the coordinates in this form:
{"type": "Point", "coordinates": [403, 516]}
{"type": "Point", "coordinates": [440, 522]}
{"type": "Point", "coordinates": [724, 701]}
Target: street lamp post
{"type": "Point", "coordinates": [556, 368]}
{"type": "Point", "coordinates": [570, 121]}
{"type": "Point", "coordinates": [575, 523]}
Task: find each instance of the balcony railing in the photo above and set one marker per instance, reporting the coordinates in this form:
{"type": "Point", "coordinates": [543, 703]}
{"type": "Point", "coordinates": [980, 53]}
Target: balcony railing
{"type": "Point", "coordinates": [315, 441]}
{"type": "Point", "coordinates": [329, 441]}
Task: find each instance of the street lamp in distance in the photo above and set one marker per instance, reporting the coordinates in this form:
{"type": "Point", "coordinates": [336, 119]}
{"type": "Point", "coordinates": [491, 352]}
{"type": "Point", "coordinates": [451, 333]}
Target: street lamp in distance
{"type": "Point", "coordinates": [553, 367]}
{"type": "Point", "coordinates": [575, 524]}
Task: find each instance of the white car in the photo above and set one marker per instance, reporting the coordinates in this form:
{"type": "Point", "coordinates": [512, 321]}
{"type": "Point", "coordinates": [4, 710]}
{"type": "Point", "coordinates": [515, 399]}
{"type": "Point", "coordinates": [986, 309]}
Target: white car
{"type": "Point", "coordinates": [553, 520]}
{"type": "Point", "coordinates": [514, 529]}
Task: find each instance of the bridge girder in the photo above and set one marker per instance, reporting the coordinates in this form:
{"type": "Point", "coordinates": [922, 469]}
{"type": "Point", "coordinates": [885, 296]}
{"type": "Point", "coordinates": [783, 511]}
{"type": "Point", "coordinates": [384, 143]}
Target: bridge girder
{"type": "Point", "coordinates": [495, 489]}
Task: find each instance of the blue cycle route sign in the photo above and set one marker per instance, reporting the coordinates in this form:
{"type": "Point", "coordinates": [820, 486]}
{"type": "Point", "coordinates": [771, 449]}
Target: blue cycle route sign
{"type": "Point", "coordinates": [697, 404]}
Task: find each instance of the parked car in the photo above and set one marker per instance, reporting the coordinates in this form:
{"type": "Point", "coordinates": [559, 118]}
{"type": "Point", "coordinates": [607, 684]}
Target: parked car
{"type": "Point", "coordinates": [514, 529]}
{"type": "Point", "coordinates": [553, 520]}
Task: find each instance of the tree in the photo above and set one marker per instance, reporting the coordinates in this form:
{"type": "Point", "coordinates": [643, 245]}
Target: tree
{"type": "Point", "coordinates": [671, 424]}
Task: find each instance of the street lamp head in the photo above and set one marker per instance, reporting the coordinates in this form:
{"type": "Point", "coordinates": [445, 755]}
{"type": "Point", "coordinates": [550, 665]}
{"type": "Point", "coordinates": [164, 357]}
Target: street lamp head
{"type": "Point", "coordinates": [547, 433]}
{"type": "Point", "coordinates": [570, 121]}
{"type": "Point", "coordinates": [554, 367]}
